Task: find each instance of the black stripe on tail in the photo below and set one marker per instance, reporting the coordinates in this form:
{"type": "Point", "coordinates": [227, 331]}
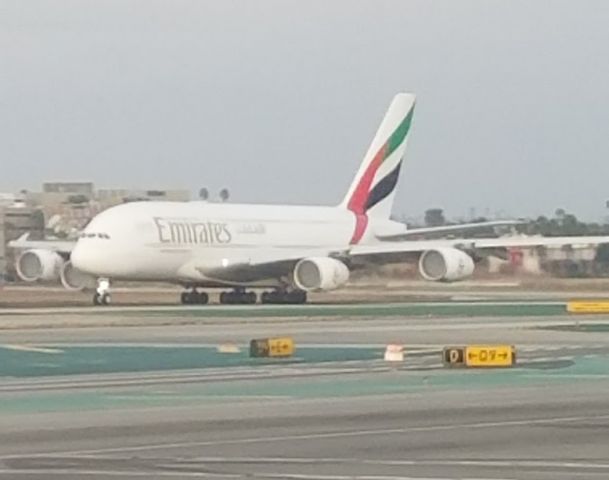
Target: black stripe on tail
{"type": "Point", "coordinates": [384, 188]}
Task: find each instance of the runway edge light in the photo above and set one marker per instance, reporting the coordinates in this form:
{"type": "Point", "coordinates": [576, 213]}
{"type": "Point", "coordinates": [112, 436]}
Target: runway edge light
{"type": "Point", "coordinates": [394, 353]}
{"type": "Point", "coordinates": [228, 348]}
{"type": "Point", "coordinates": [272, 347]}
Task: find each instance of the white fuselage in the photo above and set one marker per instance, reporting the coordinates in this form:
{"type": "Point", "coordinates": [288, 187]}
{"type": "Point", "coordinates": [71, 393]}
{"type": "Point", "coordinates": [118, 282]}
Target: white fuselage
{"type": "Point", "coordinates": [183, 242]}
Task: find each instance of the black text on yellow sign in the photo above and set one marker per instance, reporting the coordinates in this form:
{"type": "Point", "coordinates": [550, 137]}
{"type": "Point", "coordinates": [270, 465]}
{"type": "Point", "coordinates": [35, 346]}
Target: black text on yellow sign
{"type": "Point", "coordinates": [490, 356]}
{"type": "Point", "coordinates": [479, 356]}
{"type": "Point", "coordinates": [272, 347]}
{"type": "Point", "coordinates": [588, 306]}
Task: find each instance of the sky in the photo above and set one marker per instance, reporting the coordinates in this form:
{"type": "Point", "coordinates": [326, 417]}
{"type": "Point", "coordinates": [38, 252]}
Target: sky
{"type": "Point", "coordinates": [278, 100]}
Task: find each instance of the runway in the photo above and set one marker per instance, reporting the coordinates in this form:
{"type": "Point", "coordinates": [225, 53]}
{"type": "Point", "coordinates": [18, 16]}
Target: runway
{"type": "Point", "coordinates": [158, 401]}
{"type": "Point", "coordinates": [509, 433]}
{"type": "Point", "coordinates": [361, 291]}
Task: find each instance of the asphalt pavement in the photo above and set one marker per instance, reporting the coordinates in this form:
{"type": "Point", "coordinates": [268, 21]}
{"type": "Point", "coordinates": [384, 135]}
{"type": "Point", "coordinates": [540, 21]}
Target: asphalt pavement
{"type": "Point", "coordinates": [337, 411]}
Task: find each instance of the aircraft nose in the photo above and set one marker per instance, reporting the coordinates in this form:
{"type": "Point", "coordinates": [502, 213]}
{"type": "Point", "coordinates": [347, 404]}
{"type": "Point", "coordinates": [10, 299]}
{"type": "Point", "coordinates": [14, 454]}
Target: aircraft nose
{"type": "Point", "coordinates": [83, 258]}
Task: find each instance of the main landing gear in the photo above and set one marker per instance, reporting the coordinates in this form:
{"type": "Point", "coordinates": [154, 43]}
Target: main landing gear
{"type": "Point", "coordinates": [286, 297]}
{"type": "Point", "coordinates": [239, 296]}
{"type": "Point", "coordinates": [102, 292]}
{"type": "Point", "coordinates": [193, 297]}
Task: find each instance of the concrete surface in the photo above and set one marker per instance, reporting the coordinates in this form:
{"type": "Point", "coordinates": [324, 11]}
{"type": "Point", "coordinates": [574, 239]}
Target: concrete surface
{"type": "Point", "coordinates": [334, 418]}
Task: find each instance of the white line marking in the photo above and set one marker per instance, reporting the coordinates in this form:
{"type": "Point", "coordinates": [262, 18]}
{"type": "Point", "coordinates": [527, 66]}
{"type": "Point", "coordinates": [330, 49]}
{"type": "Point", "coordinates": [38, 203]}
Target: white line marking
{"type": "Point", "coordinates": [318, 436]}
{"type": "Point", "coordinates": [117, 473]}
{"type": "Point", "coordinates": [192, 461]}
{"type": "Point", "coordinates": [31, 348]}
{"type": "Point", "coordinates": [298, 476]}
{"type": "Point", "coordinates": [182, 474]}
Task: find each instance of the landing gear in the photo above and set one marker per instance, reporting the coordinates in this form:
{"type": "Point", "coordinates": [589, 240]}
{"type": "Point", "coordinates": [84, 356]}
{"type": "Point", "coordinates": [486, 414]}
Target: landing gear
{"type": "Point", "coordinates": [194, 297]}
{"type": "Point", "coordinates": [102, 292]}
{"type": "Point", "coordinates": [286, 297]}
{"type": "Point", "coordinates": [238, 297]}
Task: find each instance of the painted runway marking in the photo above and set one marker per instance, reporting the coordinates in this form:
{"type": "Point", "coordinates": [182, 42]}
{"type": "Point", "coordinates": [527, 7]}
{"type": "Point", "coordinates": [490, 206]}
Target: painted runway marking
{"type": "Point", "coordinates": [31, 348]}
{"type": "Point", "coordinates": [117, 473]}
{"type": "Point", "coordinates": [158, 470]}
{"type": "Point", "coordinates": [182, 474]}
{"type": "Point", "coordinates": [332, 460]}
{"type": "Point", "coordinates": [325, 435]}
{"type": "Point", "coordinates": [336, 460]}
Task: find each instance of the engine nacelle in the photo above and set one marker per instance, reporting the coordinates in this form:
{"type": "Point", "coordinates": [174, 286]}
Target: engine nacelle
{"type": "Point", "coordinates": [74, 279]}
{"type": "Point", "coordinates": [39, 264]}
{"type": "Point", "coordinates": [445, 264]}
{"type": "Point", "coordinates": [320, 273]}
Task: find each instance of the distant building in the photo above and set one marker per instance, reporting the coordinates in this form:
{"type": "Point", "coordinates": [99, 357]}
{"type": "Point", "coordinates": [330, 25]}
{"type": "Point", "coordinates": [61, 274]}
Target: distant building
{"type": "Point", "coordinates": [7, 199]}
{"type": "Point", "coordinates": [14, 222]}
{"type": "Point", "coordinates": [110, 197]}
{"type": "Point", "coordinates": [56, 194]}
{"type": "Point", "coordinates": [72, 202]}
{"type": "Point", "coordinates": [80, 188]}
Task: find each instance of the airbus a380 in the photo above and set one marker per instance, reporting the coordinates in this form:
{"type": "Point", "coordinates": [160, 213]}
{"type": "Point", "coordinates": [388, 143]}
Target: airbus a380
{"type": "Point", "coordinates": [289, 250]}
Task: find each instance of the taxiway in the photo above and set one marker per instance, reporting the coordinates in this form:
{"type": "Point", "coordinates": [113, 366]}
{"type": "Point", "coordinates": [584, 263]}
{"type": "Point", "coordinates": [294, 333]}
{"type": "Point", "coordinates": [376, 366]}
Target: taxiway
{"type": "Point", "coordinates": [155, 399]}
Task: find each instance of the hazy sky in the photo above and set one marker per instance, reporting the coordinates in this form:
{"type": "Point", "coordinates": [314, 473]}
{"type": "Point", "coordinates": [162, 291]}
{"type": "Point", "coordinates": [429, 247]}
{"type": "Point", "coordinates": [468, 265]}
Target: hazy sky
{"type": "Point", "coordinates": [278, 100]}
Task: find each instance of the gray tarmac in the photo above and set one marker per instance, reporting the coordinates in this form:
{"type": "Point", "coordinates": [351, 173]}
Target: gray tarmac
{"type": "Point", "coordinates": [509, 433]}
{"type": "Point", "coordinates": [154, 326]}
{"type": "Point", "coordinates": [546, 419]}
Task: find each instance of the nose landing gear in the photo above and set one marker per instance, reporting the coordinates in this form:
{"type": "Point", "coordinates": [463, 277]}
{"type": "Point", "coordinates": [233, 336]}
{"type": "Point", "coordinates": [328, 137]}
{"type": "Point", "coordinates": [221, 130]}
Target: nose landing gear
{"type": "Point", "coordinates": [102, 292]}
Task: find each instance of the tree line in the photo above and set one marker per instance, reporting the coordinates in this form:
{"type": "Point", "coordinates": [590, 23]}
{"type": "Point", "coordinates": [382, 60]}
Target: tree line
{"type": "Point", "coordinates": [561, 224]}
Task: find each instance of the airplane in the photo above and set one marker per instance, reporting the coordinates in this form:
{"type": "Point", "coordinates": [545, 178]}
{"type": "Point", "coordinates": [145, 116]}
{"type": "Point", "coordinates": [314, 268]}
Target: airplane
{"type": "Point", "coordinates": [289, 250]}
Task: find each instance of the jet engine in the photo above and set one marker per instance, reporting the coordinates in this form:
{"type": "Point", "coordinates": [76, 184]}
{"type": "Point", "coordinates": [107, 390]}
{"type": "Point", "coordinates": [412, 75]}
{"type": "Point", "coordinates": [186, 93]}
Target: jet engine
{"type": "Point", "coordinates": [445, 264]}
{"type": "Point", "coordinates": [320, 273]}
{"type": "Point", "coordinates": [73, 279]}
{"type": "Point", "coordinates": [38, 264]}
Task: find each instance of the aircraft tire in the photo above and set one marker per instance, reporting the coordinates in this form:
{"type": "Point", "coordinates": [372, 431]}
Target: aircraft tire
{"type": "Point", "coordinates": [202, 298]}
{"type": "Point", "coordinates": [294, 297]}
{"type": "Point", "coordinates": [101, 299]}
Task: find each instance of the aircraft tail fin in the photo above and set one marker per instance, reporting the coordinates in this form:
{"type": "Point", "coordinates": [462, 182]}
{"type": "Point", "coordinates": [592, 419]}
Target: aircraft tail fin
{"type": "Point", "coordinates": [373, 189]}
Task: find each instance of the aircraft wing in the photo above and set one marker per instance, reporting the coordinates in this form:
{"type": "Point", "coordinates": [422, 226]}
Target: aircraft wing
{"type": "Point", "coordinates": [539, 241]}
{"type": "Point", "coordinates": [60, 246]}
{"type": "Point", "coordinates": [274, 263]}
{"type": "Point", "coordinates": [446, 229]}
{"type": "Point", "coordinates": [396, 251]}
